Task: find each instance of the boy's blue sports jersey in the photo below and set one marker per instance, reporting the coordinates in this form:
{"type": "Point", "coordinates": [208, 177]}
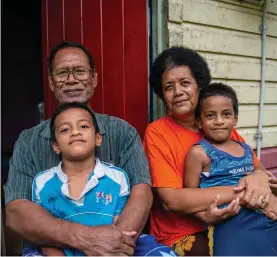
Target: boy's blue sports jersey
{"type": "Point", "coordinates": [225, 169]}
{"type": "Point", "coordinates": [103, 197]}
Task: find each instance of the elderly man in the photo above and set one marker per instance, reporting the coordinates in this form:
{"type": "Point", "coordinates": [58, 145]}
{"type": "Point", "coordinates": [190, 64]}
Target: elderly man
{"type": "Point", "coordinates": [72, 77]}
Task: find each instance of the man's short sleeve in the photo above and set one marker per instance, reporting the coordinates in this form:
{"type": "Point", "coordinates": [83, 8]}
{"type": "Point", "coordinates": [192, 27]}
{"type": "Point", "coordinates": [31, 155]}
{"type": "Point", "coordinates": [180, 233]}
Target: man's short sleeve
{"type": "Point", "coordinates": [132, 158]}
{"type": "Point", "coordinates": [163, 167]}
{"type": "Point", "coordinates": [21, 172]}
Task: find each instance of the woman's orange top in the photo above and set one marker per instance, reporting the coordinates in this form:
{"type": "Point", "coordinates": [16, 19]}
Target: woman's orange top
{"type": "Point", "coordinates": [166, 144]}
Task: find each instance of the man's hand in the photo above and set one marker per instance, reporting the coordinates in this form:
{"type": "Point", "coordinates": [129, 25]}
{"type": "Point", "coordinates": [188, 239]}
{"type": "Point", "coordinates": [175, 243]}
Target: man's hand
{"type": "Point", "coordinates": [214, 215]}
{"type": "Point", "coordinates": [256, 189]}
{"type": "Point", "coordinates": [105, 240]}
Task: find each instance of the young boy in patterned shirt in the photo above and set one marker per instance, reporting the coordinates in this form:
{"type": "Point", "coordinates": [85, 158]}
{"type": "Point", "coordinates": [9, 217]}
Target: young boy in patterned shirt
{"type": "Point", "coordinates": [219, 161]}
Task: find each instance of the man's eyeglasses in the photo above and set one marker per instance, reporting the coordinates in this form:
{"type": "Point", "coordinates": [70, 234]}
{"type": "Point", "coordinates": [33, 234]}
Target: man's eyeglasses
{"type": "Point", "coordinates": [79, 73]}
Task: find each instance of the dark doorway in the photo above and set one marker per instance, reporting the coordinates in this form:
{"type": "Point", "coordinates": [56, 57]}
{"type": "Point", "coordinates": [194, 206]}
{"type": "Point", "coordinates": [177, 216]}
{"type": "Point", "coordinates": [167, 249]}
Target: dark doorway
{"type": "Point", "coordinates": [22, 88]}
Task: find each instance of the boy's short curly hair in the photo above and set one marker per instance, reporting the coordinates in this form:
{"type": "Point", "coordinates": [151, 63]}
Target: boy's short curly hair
{"type": "Point", "coordinates": [179, 56]}
{"type": "Point", "coordinates": [217, 89]}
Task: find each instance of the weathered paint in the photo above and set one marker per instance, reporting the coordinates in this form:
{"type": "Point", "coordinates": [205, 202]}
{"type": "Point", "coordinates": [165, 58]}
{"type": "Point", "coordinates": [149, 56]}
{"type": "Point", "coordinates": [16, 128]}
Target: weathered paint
{"type": "Point", "coordinates": [248, 92]}
{"type": "Point", "coordinates": [226, 41]}
{"type": "Point", "coordinates": [269, 135]}
{"type": "Point", "coordinates": [220, 14]}
{"type": "Point", "coordinates": [248, 115]}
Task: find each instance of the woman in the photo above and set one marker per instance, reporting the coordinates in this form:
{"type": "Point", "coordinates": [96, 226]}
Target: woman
{"type": "Point", "coordinates": [177, 76]}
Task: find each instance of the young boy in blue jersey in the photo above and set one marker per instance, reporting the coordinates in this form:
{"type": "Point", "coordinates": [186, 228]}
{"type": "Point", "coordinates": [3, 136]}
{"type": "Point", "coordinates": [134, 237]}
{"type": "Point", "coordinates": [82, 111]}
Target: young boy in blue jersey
{"type": "Point", "coordinates": [81, 188]}
{"type": "Point", "coordinates": [218, 161]}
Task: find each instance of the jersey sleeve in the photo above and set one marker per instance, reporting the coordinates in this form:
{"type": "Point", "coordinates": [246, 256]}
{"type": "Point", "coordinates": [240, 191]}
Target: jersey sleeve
{"type": "Point", "coordinates": [35, 192]}
{"type": "Point", "coordinates": [236, 136]}
{"type": "Point", "coordinates": [124, 194]}
{"type": "Point", "coordinates": [163, 168]}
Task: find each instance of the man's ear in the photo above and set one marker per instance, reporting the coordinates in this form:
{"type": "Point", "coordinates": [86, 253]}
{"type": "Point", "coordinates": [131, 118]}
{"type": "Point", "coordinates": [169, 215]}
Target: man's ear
{"type": "Point", "coordinates": [98, 139]}
{"type": "Point", "coordinates": [94, 78]}
{"type": "Point", "coordinates": [198, 123]}
{"type": "Point", "coordinates": [56, 147]}
{"type": "Point", "coordinates": [50, 81]}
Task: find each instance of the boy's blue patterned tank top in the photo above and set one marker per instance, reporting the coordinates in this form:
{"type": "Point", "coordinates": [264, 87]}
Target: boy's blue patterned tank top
{"type": "Point", "coordinates": [225, 169]}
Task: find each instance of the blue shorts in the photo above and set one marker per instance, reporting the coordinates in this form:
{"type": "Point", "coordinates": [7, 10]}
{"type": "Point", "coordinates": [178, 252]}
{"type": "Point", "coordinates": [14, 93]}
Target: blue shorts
{"type": "Point", "coordinates": [248, 233]}
{"type": "Point", "coordinates": [146, 245]}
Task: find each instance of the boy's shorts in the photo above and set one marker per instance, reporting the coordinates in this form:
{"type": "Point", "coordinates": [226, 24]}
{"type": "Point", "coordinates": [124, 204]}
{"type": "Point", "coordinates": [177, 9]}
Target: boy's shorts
{"type": "Point", "coordinates": [146, 245]}
{"type": "Point", "coordinates": [248, 233]}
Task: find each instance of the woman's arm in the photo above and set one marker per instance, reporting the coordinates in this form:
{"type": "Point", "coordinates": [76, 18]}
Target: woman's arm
{"type": "Point", "coordinates": [214, 215]}
{"type": "Point", "coordinates": [191, 200]}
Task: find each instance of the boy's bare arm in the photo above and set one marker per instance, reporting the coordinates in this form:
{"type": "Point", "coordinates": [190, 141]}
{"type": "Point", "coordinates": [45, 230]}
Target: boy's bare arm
{"type": "Point", "coordinates": [194, 164]}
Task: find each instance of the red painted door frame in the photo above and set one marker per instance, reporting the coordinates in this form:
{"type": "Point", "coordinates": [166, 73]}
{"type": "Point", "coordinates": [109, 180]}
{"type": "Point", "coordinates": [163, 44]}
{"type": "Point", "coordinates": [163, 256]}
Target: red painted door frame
{"type": "Point", "coordinates": [116, 34]}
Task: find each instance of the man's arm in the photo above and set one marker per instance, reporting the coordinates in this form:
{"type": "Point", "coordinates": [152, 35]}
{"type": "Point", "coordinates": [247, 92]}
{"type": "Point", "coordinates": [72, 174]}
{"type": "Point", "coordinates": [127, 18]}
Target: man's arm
{"type": "Point", "coordinates": [36, 225]}
{"type": "Point", "coordinates": [136, 211]}
{"type": "Point", "coordinates": [134, 162]}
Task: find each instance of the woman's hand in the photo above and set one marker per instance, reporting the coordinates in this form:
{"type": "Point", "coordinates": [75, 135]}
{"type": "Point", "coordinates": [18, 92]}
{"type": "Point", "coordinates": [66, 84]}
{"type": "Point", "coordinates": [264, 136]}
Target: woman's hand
{"type": "Point", "coordinates": [256, 189]}
{"type": "Point", "coordinates": [271, 210]}
{"type": "Point", "coordinates": [215, 215]}
{"type": "Point", "coordinates": [273, 184]}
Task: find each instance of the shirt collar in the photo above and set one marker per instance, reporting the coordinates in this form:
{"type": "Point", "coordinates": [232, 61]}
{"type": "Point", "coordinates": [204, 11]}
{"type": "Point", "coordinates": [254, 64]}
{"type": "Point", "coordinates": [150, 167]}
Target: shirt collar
{"type": "Point", "coordinates": [47, 134]}
{"type": "Point", "coordinates": [97, 173]}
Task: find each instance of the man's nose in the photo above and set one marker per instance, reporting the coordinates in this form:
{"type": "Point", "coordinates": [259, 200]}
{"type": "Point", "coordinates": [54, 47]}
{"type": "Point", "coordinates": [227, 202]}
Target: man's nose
{"type": "Point", "coordinates": [71, 78]}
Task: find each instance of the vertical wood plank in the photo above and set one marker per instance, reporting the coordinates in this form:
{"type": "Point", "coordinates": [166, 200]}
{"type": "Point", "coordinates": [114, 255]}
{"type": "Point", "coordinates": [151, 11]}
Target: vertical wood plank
{"type": "Point", "coordinates": [113, 57]}
{"type": "Point", "coordinates": [136, 63]}
{"type": "Point", "coordinates": [72, 20]}
{"type": "Point", "coordinates": [92, 39]}
{"type": "Point", "coordinates": [55, 34]}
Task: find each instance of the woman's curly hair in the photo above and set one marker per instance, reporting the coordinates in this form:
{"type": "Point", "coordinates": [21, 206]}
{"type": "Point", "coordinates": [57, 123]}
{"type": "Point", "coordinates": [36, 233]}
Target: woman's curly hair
{"type": "Point", "coordinates": [179, 56]}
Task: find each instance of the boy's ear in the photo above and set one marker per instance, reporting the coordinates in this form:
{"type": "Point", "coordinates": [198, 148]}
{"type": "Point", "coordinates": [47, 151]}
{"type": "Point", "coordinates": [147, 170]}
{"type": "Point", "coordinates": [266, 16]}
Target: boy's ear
{"type": "Point", "coordinates": [198, 123]}
{"type": "Point", "coordinates": [98, 139]}
{"type": "Point", "coordinates": [56, 147]}
{"type": "Point", "coordinates": [236, 120]}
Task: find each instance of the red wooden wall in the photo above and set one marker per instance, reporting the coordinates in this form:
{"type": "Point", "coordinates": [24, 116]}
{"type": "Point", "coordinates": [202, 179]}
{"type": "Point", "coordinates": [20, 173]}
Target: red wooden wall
{"type": "Point", "coordinates": [115, 31]}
